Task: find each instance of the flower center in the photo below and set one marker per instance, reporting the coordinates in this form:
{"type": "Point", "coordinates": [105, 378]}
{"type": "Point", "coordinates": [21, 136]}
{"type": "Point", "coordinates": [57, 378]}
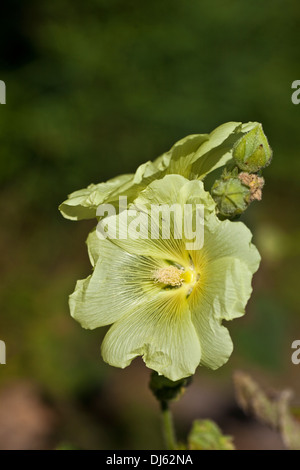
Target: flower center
{"type": "Point", "coordinates": [172, 276]}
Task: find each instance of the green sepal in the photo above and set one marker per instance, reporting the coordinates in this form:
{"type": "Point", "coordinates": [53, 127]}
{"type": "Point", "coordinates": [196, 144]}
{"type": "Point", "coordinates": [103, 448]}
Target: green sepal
{"type": "Point", "coordinates": [165, 390]}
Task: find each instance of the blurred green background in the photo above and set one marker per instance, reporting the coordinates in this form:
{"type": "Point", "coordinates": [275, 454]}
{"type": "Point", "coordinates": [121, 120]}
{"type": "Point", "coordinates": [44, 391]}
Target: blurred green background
{"type": "Point", "coordinates": [94, 89]}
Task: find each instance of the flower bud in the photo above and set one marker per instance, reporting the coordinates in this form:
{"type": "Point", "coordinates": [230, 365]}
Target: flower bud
{"type": "Point", "coordinates": [231, 195]}
{"type": "Point", "coordinates": [252, 152]}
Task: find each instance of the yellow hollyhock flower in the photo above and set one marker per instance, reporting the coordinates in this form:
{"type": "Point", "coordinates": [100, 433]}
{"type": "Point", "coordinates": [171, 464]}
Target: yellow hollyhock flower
{"type": "Point", "coordinates": [194, 156]}
{"type": "Point", "coordinates": [165, 302]}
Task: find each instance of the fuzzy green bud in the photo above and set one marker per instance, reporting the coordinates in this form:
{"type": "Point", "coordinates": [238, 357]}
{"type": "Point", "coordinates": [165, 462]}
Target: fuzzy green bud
{"type": "Point", "coordinates": [252, 152]}
{"type": "Point", "coordinates": [231, 195]}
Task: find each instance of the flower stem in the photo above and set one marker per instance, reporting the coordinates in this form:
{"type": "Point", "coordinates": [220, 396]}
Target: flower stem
{"type": "Point", "coordinates": [168, 426]}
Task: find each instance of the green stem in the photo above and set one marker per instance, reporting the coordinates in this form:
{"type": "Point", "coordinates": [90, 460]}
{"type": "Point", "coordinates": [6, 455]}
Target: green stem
{"type": "Point", "coordinates": [168, 426]}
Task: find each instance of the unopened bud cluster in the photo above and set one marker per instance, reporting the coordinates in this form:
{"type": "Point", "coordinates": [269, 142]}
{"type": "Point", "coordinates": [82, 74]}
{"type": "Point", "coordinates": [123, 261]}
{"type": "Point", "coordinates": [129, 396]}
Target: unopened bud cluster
{"type": "Point", "coordinates": [240, 186]}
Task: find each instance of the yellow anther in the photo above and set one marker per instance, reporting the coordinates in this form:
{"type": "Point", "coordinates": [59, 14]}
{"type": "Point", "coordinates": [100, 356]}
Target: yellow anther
{"type": "Point", "coordinates": [170, 276]}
